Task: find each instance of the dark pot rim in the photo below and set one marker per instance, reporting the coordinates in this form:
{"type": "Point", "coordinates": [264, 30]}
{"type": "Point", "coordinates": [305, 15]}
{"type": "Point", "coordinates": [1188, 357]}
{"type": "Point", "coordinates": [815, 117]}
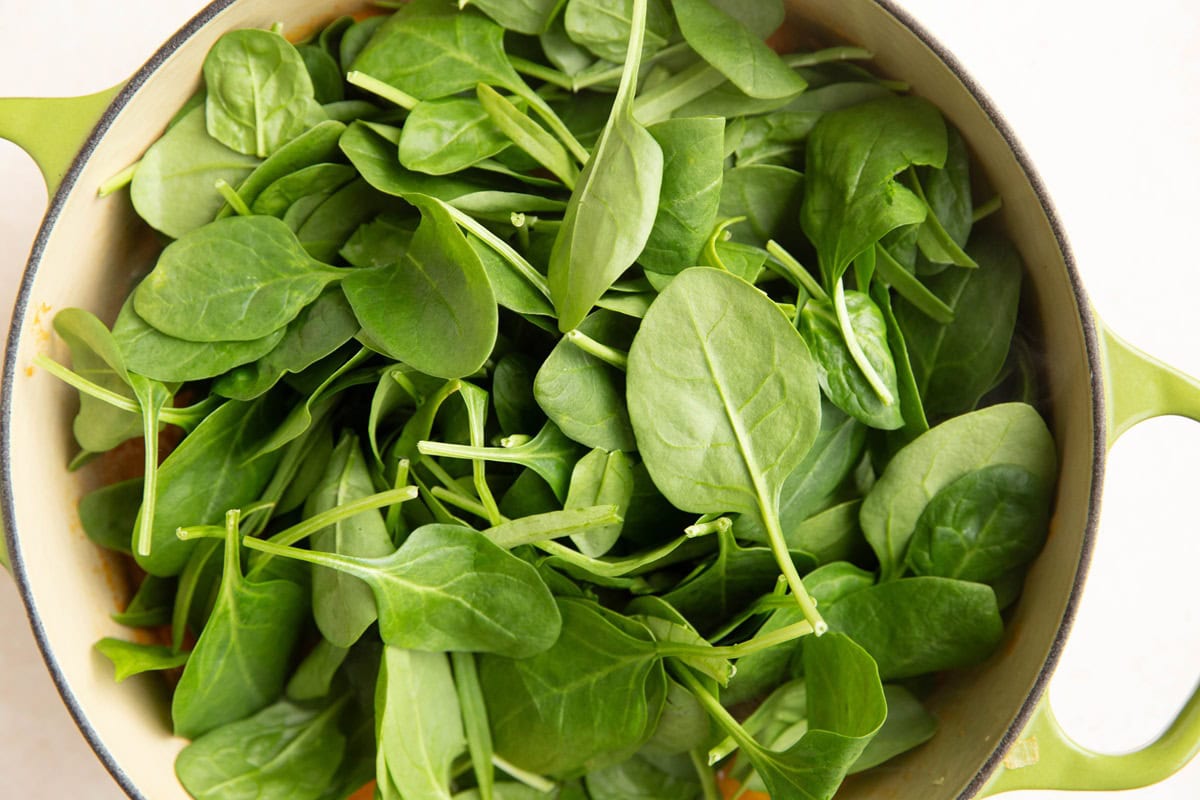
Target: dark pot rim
{"type": "Point", "coordinates": [891, 7]}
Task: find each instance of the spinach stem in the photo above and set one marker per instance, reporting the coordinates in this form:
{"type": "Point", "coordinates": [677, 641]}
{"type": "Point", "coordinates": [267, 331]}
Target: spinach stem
{"type": "Point", "coordinates": [443, 477]}
{"type": "Point", "coordinates": [233, 198]}
{"type": "Point", "coordinates": [542, 73]}
{"type": "Point", "coordinates": [910, 288]}
{"type": "Point", "coordinates": [987, 209]}
{"type": "Point", "coordinates": [751, 646]}
{"type": "Point", "coordinates": [677, 91]}
{"type": "Point", "coordinates": [609, 355]}
{"type": "Point", "coordinates": [794, 271]}
{"type": "Point", "coordinates": [708, 780]}
{"type": "Point", "coordinates": [119, 181]}
{"type": "Point", "coordinates": [856, 351]}
{"type": "Point", "coordinates": [713, 706]}
{"type": "Point", "coordinates": [783, 559]}
{"type": "Point", "coordinates": [475, 720]}
{"type": "Point", "coordinates": [536, 279]}
{"type": "Point", "coordinates": [381, 89]}
{"type": "Point", "coordinates": [145, 532]}
{"type": "Point", "coordinates": [718, 525]}
{"type": "Point", "coordinates": [554, 123]}
{"type": "Point", "coordinates": [796, 60]}
{"type": "Point", "coordinates": [720, 234]}
{"type": "Point", "coordinates": [614, 73]}
{"type": "Point", "coordinates": [530, 779]}
{"type": "Point", "coordinates": [461, 502]}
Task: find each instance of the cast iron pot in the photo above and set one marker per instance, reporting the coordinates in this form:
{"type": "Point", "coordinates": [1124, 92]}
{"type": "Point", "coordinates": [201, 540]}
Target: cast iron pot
{"type": "Point", "coordinates": [997, 731]}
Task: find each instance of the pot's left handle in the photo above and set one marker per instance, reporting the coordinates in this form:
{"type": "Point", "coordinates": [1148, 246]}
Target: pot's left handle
{"type": "Point", "coordinates": [52, 129]}
{"type": "Point", "coordinates": [1137, 388]}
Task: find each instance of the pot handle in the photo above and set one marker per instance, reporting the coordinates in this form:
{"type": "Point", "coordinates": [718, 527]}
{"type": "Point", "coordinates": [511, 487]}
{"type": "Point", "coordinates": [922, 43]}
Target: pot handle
{"type": "Point", "coordinates": [1137, 387]}
{"type": "Point", "coordinates": [52, 129]}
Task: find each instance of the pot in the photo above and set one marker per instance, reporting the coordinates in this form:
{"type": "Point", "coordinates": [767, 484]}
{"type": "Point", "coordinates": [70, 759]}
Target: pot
{"type": "Point", "coordinates": [997, 730]}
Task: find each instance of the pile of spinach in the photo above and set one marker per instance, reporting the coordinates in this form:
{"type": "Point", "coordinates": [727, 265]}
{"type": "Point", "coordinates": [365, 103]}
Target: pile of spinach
{"type": "Point", "coordinates": [523, 455]}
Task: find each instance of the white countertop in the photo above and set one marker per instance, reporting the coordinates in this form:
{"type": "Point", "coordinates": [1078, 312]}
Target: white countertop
{"type": "Point", "coordinates": [1108, 106]}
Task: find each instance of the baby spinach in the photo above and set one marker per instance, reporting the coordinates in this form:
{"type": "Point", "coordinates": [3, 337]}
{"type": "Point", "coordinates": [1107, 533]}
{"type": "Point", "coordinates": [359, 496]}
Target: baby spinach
{"type": "Point", "coordinates": [693, 169]}
{"type": "Point", "coordinates": [1009, 433]}
{"type": "Point", "coordinates": [134, 658]}
{"type": "Point", "coordinates": [434, 309]}
{"type": "Point", "coordinates": [982, 525]}
{"type": "Point", "coordinates": [600, 479]}
{"type": "Point", "coordinates": [317, 145]}
{"type": "Point", "coordinates": [449, 588]}
{"type": "Point", "coordinates": [273, 272]}
{"type": "Point", "coordinates": [448, 135]}
{"type": "Point", "coordinates": [240, 661]}
{"type": "Point", "coordinates": [611, 212]}
{"type": "Point", "coordinates": [317, 179]}
{"type": "Point", "coordinates": [98, 426]}
{"type": "Point", "coordinates": [172, 189]}
{"type": "Point", "coordinates": [260, 94]}
{"type": "Point", "coordinates": [530, 17]}
{"type": "Point", "coordinates": [286, 751]}
{"type": "Point", "coordinates": [528, 135]}
{"type": "Point", "coordinates": [607, 27]}
{"type": "Point", "coordinates": [908, 724]}
{"type": "Point", "coordinates": [746, 423]}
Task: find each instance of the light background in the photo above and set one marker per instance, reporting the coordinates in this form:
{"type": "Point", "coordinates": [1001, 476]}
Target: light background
{"type": "Point", "coordinates": [1108, 105]}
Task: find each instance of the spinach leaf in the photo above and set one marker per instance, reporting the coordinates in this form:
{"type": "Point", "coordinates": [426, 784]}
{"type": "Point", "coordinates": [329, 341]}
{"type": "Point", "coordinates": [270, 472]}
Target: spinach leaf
{"type": "Point", "coordinates": [419, 722]}
{"type": "Point", "coordinates": [434, 309]}
{"type": "Point", "coordinates": [842, 381]}
{"type": "Point", "coordinates": [313, 679]}
{"type": "Point", "coordinates": [512, 394]}
{"type": "Point", "coordinates": [512, 286]}
{"type": "Point", "coordinates": [584, 396]}
{"type": "Point", "coordinates": [552, 713]}
{"type": "Point", "coordinates": [324, 73]}
{"type": "Point", "coordinates": [133, 658]}
{"type": "Point", "coordinates": [316, 332]}
{"type": "Point", "coordinates": [151, 604]}
{"type": "Point", "coordinates": [530, 17]}
{"type": "Point", "coordinates": [448, 135]}
{"type": "Point", "coordinates": [284, 752]}
{"type": "Point", "coordinates": [317, 145]}
{"type": "Point", "coordinates": [240, 661]}
{"type": "Point", "coordinates": [316, 179]}
{"type": "Point", "coordinates": [610, 214]}
{"type": "Point", "coordinates": [739, 54]}
{"type": "Point", "coordinates": [956, 364]}
{"type": "Point", "coordinates": [96, 356]}
{"type": "Point", "coordinates": [919, 625]}
{"type": "Point", "coordinates": [693, 169]}
{"type": "Point", "coordinates": [719, 423]}
{"type": "Point", "coordinates": [260, 95]}
{"type": "Point", "coordinates": [330, 225]}
{"type": "Point", "coordinates": [908, 725]}
{"type": "Point", "coordinates": [149, 352]}
{"type": "Point", "coordinates": [1010, 433]}
{"type": "Point", "coordinates": [380, 242]}
{"type": "Point", "coordinates": [172, 189]}
{"type": "Point", "coordinates": [948, 193]}
{"type": "Point", "coordinates": [607, 27]}
{"type": "Point", "coordinates": [343, 606]}
{"type": "Point", "coordinates": [194, 294]}
{"type": "Point", "coordinates": [527, 135]}
{"type": "Point", "coordinates": [449, 588]}
{"type": "Point", "coordinates": [983, 525]}
{"type": "Point", "coordinates": [209, 472]}
{"type": "Point", "coordinates": [767, 196]}
{"type": "Point", "coordinates": [639, 779]}
{"type": "Point", "coordinates": [600, 479]}
{"type": "Point", "coordinates": [853, 155]}
{"type": "Point", "coordinates": [762, 18]}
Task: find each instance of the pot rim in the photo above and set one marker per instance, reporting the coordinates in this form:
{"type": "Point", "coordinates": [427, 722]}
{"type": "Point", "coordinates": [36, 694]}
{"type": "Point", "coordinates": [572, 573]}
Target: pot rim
{"type": "Point", "coordinates": [890, 7]}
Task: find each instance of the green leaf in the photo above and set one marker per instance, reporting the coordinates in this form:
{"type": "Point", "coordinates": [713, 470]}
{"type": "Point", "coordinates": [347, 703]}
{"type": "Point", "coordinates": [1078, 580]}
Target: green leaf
{"type": "Point", "coordinates": [434, 309]}
{"type": "Point", "coordinates": [611, 212]}
{"type": "Point", "coordinates": [584, 396]}
{"type": "Point", "coordinates": [841, 379]}
{"type": "Point", "coordinates": [767, 196]}
{"type": "Point", "coordinates": [448, 135]}
{"type": "Point", "coordinates": [693, 170]}
{"type": "Point", "coordinates": [156, 355]}
{"type": "Point", "coordinates": [449, 588]}
{"type": "Point", "coordinates": [260, 95]}
{"type": "Point", "coordinates": [241, 660]}
{"type": "Point", "coordinates": [237, 279]}
{"type": "Point", "coordinates": [317, 145]}
{"type": "Point", "coordinates": [133, 658]}
{"type": "Point", "coordinates": [606, 27]}
{"type": "Point", "coordinates": [530, 17]}
{"type": "Point", "coordinates": [154, 599]}
{"type": "Point", "coordinates": [739, 54]}
{"type": "Point", "coordinates": [956, 364]}
{"type": "Point", "coordinates": [173, 188]}
{"type": "Point", "coordinates": [919, 625]}
{"type": "Point", "coordinates": [316, 179]}
{"type": "Point", "coordinates": [908, 725]}
{"type": "Point", "coordinates": [736, 577]}
{"type": "Point", "coordinates": [1010, 433]}
{"type": "Point", "coordinates": [600, 479]}
{"type": "Point", "coordinates": [343, 606]}
{"type": "Point", "coordinates": [851, 199]}
{"type": "Point", "coordinates": [553, 712]}
{"type": "Point", "coordinates": [284, 752]}
{"type": "Point", "coordinates": [420, 724]}
{"type": "Point", "coordinates": [526, 134]}
{"type": "Point", "coordinates": [313, 679]}
{"type": "Point", "coordinates": [95, 355]}
{"type": "Point", "coordinates": [983, 525]}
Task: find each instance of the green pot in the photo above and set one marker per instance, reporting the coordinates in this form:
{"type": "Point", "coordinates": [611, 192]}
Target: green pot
{"type": "Point", "coordinates": [997, 732]}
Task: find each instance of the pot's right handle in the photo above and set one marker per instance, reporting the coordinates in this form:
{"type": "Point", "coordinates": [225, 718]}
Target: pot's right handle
{"type": "Point", "coordinates": [52, 129]}
{"type": "Point", "coordinates": [1137, 388]}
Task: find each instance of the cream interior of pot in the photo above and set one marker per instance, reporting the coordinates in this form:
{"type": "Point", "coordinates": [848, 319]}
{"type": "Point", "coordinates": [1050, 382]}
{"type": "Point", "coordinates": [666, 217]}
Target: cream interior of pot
{"type": "Point", "coordinates": [97, 246]}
